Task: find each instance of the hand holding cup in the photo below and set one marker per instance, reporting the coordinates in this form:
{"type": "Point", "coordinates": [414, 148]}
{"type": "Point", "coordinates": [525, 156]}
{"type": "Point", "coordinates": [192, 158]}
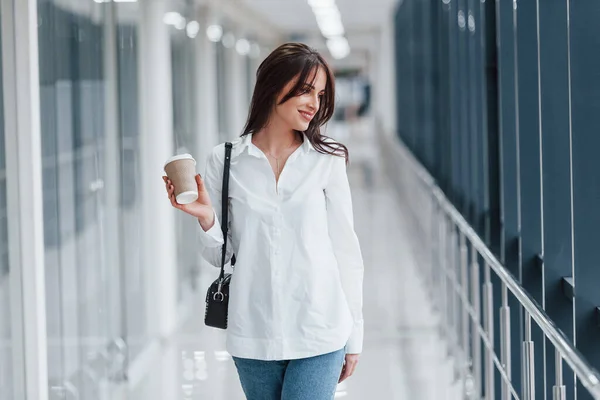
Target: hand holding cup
{"type": "Point", "coordinates": [186, 191]}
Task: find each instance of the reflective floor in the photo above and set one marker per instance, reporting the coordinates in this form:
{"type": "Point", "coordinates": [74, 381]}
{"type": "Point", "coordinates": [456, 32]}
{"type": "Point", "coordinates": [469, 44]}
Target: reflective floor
{"type": "Point", "coordinates": [403, 357]}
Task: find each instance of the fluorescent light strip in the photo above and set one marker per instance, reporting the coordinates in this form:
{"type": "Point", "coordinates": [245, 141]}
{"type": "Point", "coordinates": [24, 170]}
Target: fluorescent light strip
{"type": "Point", "coordinates": [330, 24]}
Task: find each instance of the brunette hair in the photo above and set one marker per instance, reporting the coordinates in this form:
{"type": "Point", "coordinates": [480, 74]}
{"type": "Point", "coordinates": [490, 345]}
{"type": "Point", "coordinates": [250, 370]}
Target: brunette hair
{"type": "Point", "coordinates": [280, 67]}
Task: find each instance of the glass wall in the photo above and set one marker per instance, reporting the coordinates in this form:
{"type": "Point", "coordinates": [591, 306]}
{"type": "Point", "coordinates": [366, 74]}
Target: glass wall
{"type": "Point", "coordinates": [6, 380]}
{"type": "Point", "coordinates": [185, 111]}
{"type": "Point", "coordinates": [98, 288]}
{"type": "Point", "coordinates": [72, 98]}
{"type": "Point", "coordinates": [222, 68]}
{"type": "Point", "coordinates": [91, 220]}
{"type": "Point", "coordinates": [135, 328]}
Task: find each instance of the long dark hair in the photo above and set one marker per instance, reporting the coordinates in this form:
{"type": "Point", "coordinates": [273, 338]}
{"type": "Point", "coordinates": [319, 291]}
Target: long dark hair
{"type": "Point", "coordinates": [280, 67]}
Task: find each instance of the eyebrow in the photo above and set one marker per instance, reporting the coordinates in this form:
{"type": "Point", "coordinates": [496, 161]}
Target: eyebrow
{"type": "Point", "coordinates": [312, 87]}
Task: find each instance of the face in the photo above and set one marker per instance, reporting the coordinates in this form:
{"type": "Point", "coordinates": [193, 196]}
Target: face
{"type": "Point", "coordinates": [298, 111]}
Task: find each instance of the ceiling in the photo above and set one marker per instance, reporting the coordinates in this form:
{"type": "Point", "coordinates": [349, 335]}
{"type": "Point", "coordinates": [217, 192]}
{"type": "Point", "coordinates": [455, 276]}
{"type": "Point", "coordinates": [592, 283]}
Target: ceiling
{"type": "Point", "coordinates": [297, 16]}
{"type": "Point", "coordinates": [361, 20]}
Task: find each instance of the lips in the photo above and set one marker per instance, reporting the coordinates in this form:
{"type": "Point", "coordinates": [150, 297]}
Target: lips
{"type": "Point", "coordinates": [306, 115]}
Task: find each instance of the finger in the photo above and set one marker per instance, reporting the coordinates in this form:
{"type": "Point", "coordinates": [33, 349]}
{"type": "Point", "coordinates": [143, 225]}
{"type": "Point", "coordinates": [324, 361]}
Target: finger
{"type": "Point", "coordinates": [351, 369]}
{"type": "Point", "coordinates": [174, 202]}
{"type": "Point", "coordinates": [344, 375]}
{"type": "Point", "coordinates": [200, 183]}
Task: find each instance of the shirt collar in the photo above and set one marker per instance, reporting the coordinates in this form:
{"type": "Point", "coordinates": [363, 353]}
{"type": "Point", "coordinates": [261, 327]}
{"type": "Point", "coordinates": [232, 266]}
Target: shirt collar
{"type": "Point", "coordinates": [245, 144]}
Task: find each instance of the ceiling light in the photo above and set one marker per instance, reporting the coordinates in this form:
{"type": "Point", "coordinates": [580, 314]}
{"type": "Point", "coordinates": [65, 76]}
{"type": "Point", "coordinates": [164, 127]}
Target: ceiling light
{"type": "Point", "coordinates": [330, 27]}
{"type": "Point", "coordinates": [116, 1]}
{"type": "Point", "coordinates": [175, 19]}
{"type": "Point", "coordinates": [331, 12]}
{"type": "Point", "coordinates": [228, 40]}
{"type": "Point", "coordinates": [321, 3]}
{"type": "Point", "coordinates": [192, 29]}
{"type": "Point", "coordinates": [214, 33]}
{"type": "Point", "coordinates": [330, 24]}
{"type": "Point", "coordinates": [338, 47]}
{"type": "Point", "coordinates": [243, 47]}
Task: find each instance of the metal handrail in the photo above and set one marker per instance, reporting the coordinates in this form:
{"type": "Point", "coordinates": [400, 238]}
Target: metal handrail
{"type": "Point", "coordinates": [588, 376]}
{"type": "Point", "coordinates": [565, 350]}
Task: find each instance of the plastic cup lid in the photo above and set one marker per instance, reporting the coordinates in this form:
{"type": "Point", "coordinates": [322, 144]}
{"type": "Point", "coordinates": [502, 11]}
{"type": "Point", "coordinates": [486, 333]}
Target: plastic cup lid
{"type": "Point", "coordinates": [180, 157]}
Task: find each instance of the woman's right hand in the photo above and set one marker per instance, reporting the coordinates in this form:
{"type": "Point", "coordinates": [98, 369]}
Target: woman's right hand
{"type": "Point", "coordinates": [201, 208]}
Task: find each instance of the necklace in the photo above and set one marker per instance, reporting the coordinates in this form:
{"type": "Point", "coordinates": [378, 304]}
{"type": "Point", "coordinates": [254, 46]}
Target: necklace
{"type": "Point", "coordinates": [278, 158]}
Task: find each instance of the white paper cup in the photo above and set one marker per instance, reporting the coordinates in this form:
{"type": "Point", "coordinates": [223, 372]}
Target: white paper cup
{"type": "Point", "coordinates": [181, 170]}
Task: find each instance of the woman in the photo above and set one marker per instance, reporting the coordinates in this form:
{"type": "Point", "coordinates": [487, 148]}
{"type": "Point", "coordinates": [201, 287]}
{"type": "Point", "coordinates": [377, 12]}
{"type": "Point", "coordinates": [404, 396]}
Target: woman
{"type": "Point", "coordinates": [295, 326]}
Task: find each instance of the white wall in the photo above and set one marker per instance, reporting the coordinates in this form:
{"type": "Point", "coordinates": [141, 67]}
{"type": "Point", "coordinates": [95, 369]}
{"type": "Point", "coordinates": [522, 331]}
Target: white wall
{"type": "Point", "coordinates": [383, 77]}
{"type": "Point", "coordinates": [156, 128]}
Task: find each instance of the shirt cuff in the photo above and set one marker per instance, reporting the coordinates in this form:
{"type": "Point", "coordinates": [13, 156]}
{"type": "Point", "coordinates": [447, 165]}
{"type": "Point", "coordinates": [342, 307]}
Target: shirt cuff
{"type": "Point", "coordinates": [355, 342]}
{"type": "Point", "coordinates": [212, 237]}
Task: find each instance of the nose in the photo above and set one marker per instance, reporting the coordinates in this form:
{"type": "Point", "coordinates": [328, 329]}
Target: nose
{"type": "Point", "coordinates": [314, 103]}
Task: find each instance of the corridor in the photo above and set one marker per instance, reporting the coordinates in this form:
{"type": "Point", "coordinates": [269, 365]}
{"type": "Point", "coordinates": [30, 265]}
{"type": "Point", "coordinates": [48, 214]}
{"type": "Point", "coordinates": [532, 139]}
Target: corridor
{"type": "Point", "coordinates": [403, 356]}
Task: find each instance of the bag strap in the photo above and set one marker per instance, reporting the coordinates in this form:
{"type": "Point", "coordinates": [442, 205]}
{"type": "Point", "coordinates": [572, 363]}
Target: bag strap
{"type": "Point", "coordinates": [225, 208]}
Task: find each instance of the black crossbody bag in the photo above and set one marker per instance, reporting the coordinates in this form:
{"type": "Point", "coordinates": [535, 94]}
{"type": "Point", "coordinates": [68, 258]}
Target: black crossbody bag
{"type": "Point", "coordinates": [217, 296]}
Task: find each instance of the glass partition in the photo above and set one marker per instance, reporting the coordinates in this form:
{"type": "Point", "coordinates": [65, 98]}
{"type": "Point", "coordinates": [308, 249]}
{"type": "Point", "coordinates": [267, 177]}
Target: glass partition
{"type": "Point", "coordinates": [6, 367]}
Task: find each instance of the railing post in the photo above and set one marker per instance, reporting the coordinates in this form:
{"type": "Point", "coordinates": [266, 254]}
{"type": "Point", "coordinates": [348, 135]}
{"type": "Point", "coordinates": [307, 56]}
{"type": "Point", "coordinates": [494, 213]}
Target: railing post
{"type": "Point", "coordinates": [475, 338]}
{"type": "Point", "coordinates": [456, 303]}
{"type": "Point", "coordinates": [488, 320]}
{"type": "Point", "coordinates": [452, 317]}
{"type": "Point", "coordinates": [559, 391]}
{"type": "Point", "coordinates": [434, 244]}
{"type": "Point", "coordinates": [528, 362]}
{"type": "Point", "coordinates": [505, 342]}
{"type": "Point", "coordinates": [444, 275]}
{"type": "Point", "coordinates": [464, 290]}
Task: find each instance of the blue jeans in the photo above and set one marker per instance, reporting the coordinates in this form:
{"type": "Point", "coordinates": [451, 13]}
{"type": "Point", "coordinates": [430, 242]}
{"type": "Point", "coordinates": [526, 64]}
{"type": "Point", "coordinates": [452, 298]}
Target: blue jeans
{"type": "Point", "coordinates": [312, 378]}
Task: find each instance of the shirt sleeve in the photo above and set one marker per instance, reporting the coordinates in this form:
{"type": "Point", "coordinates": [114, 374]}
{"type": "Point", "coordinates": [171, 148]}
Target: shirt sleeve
{"type": "Point", "coordinates": [211, 241]}
{"type": "Point", "coordinates": [346, 248]}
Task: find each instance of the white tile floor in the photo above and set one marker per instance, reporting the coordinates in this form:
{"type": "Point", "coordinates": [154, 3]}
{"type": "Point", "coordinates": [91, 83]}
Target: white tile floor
{"type": "Point", "coordinates": [403, 356]}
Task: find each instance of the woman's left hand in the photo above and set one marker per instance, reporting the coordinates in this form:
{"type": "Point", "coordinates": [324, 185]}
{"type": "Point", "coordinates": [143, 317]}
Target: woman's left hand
{"type": "Point", "coordinates": [349, 366]}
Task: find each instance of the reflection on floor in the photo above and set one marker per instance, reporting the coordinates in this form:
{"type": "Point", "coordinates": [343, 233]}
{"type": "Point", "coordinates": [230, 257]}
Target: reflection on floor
{"type": "Point", "coordinates": [403, 356]}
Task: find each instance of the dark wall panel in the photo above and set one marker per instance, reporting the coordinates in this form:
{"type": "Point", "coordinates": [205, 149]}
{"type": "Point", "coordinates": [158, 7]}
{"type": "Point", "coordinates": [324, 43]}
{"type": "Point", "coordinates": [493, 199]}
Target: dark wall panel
{"type": "Point", "coordinates": [556, 160]}
{"type": "Point", "coordinates": [585, 106]}
{"type": "Point", "coordinates": [528, 134]}
{"type": "Point", "coordinates": [500, 101]}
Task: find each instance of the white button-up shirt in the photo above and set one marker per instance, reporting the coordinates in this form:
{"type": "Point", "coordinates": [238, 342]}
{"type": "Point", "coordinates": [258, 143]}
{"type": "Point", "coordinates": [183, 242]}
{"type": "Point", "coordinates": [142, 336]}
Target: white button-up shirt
{"type": "Point", "coordinates": [296, 289]}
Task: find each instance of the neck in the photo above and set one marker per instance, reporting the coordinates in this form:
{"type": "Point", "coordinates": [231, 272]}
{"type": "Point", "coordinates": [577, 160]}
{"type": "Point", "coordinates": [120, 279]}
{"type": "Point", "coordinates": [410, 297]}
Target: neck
{"type": "Point", "coordinates": [275, 139]}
